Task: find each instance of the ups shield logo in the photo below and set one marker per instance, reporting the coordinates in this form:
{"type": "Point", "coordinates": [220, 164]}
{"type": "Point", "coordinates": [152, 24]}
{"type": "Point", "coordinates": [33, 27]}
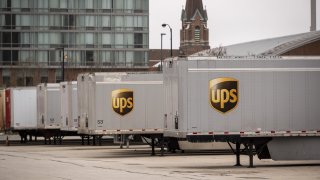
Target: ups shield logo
{"type": "Point", "coordinates": [122, 101]}
{"type": "Point", "coordinates": [223, 94]}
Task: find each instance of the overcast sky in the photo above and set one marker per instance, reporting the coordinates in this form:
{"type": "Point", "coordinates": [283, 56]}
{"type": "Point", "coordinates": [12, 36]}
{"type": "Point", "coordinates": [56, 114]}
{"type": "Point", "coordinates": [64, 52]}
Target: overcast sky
{"type": "Point", "coordinates": [234, 21]}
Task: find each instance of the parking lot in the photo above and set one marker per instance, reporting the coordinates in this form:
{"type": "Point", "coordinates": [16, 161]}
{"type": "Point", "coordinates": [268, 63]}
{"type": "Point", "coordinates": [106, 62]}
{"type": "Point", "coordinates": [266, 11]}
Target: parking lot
{"type": "Point", "coordinates": [109, 162]}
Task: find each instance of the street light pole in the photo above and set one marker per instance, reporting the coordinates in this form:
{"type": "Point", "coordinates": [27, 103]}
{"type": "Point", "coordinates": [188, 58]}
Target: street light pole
{"type": "Point", "coordinates": [161, 66]}
{"type": "Point", "coordinates": [62, 64]}
{"type": "Point", "coordinates": [62, 60]}
{"type": "Point", "coordinates": [164, 25]}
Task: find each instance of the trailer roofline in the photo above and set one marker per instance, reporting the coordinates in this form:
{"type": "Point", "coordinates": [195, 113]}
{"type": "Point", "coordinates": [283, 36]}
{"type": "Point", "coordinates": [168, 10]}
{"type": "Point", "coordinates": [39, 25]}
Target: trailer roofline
{"type": "Point", "coordinates": [205, 70]}
{"type": "Point", "coordinates": [133, 82]}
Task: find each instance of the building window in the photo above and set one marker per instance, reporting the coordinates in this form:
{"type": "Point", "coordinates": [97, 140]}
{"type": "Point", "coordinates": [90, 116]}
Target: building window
{"type": "Point", "coordinates": [119, 39]}
{"type": "Point", "coordinates": [63, 4]}
{"type": "Point", "coordinates": [138, 21]}
{"type": "Point", "coordinates": [6, 81]}
{"type": "Point", "coordinates": [71, 21]}
{"type": "Point", "coordinates": [89, 58]}
{"type": "Point", "coordinates": [70, 39]}
{"type": "Point", "coordinates": [6, 77]}
{"type": "Point", "coordinates": [119, 22]}
{"type": "Point", "coordinates": [129, 22]}
{"type": "Point", "coordinates": [55, 22]}
{"type": "Point", "coordinates": [129, 5]}
{"type": "Point", "coordinates": [129, 58]}
{"type": "Point", "coordinates": [43, 22]}
{"type": "Point", "coordinates": [89, 6]}
{"type": "Point", "coordinates": [81, 39]}
{"type": "Point", "coordinates": [119, 5]}
{"type": "Point", "coordinates": [6, 39]}
{"type": "Point", "coordinates": [2, 21]}
{"type": "Point", "coordinates": [54, 39]}
{"type": "Point", "coordinates": [138, 40]}
{"type": "Point", "coordinates": [54, 56]}
{"type": "Point", "coordinates": [106, 22]}
{"type": "Point", "coordinates": [24, 56]}
{"type": "Point", "coordinates": [54, 4]}
{"type": "Point", "coordinates": [90, 22]}
{"type": "Point", "coordinates": [44, 76]}
{"type": "Point", "coordinates": [15, 39]}
{"type": "Point", "coordinates": [23, 22]}
{"type": "Point", "coordinates": [129, 40]}
{"type": "Point", "coordinates": [6, 57]}
{"type": "Point", "coordinates": [29, 81]}
{"type": "Point", "coordinates": [139, 58]}
{"type": "Point", "coordinates": [138, 6]}
{"type": "Point", "coordinates": [43, 5]}
{"type": "Point", "coordinates": [105, 57]}
{"type": "Point", "coordinates": [42, 57]}
{"type": "Point", "coordinates": [25, 39]}
{"type": "Point", "coordinates": [20, 4]}
{"type": "Point", "coordinates": [120, 58]}
{"type": "Point", "coordinates": [107, 5]}
{"type": "Point", "coordinates": [20, 81]}
{"type": "Point", "coordinates": [89, 40]}
{"type": "Point", "coordinates": [44, 80]}
{"type": "Point", "coordinates": [58, 75]}
{"type": "Point", "coordinates": [197, 34]}
{"type": "Point", "coordinates": [106, 40]}
{"type": "Point", "coordinates": [25, 81]}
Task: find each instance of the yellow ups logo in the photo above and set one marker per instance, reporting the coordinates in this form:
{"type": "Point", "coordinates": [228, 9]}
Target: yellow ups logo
{"type": "Point", "coordinates": [122, 101]}
{"type": "Point", "coordinates": [223, 94]}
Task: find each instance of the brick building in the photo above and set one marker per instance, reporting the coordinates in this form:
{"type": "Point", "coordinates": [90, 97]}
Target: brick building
{"type": "Point", "coordinates": [194, 35]}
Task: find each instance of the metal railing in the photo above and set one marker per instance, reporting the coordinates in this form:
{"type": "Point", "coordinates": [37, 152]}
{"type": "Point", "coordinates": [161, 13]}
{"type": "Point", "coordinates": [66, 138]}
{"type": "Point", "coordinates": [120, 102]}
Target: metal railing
{"type": "Point", "coordinates": [72, 28]}
{"type": "Point", "coordinates": [73, 10]}
{"type": "Point", "coordinates": [86, 64]}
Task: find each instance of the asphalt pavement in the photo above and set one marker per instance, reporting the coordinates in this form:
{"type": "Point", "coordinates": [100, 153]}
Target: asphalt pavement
{"type": "Point", "coordinates": [77, 162]}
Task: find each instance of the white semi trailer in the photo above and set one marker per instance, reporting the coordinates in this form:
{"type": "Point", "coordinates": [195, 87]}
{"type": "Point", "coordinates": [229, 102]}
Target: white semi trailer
{"type": "Point", "coordinates": [21, 110]}
{"type": "Point", "coordinates": [121, 104]}
{"type": "Point", "coordinates": [49, 116]}
{"type": "Point", "coordinates": [69, 106]}
{"type": "Point", "coordinates": [270, 104]}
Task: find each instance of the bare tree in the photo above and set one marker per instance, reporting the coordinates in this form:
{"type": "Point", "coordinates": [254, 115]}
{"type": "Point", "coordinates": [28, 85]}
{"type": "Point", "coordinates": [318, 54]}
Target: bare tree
{"type": "Point", "coordinates": [219, 51]}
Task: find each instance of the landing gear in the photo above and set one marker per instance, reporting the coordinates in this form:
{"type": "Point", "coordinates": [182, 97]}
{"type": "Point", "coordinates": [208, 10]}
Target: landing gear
{"type": "Point", "coordinates": [93, 140]}
{"type": "Point", "coordinates": [23, 137]}
{"type": "Point", "coordinates": [82, 140]}
{"type": "Point", "coordinates": [88, 140]}
{"type": "Point", "coordinates": [250, 154]}
{"type": "Point", "coordinates": [252, 146]}
{"type": "Point", "coordinates": [152, 147]}
{"type": "Point", "coordinates": [100, 140]}
{"type": "Point", "coordinates": [162, 146]}
{"type": "Point", "coordinates": [238, 154]}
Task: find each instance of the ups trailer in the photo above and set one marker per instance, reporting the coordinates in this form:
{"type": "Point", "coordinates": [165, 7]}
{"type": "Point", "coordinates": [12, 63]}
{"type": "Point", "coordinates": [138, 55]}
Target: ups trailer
{"type": "Point", "coordinates": [69, 106]}
{"type": "Point", "coordinates": [21, 111]}
{"type": "Point", "coordinates": [2, 110]}
{"type": "Point", "coordinates": [268, 105]}
{"type": "Point", "coordinates": [121, 104]}
{"type": "Point", "coordinates": [83, 104]}
{"type": "Point", "coordinates": [49, 107]}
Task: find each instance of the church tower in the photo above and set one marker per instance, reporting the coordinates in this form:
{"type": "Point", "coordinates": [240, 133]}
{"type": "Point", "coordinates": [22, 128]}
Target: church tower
{"type": "Point", "coordinates": [194, 35]}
